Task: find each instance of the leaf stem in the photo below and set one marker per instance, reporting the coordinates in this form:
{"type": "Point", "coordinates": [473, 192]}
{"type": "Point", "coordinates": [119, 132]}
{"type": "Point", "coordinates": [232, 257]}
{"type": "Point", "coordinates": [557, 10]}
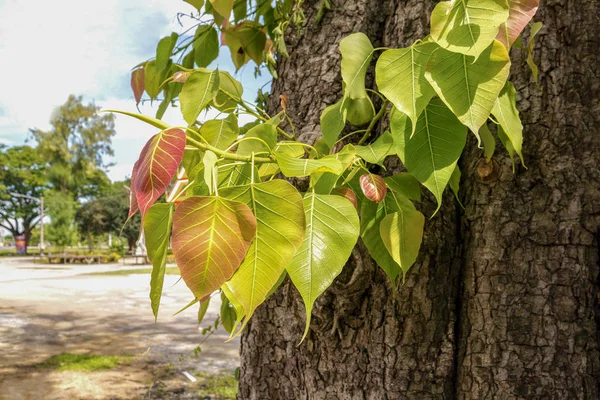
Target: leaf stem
{"type": "Point", "coordinates": [229, 156]}
{"type": "Point", "coordinates": [380, 114]}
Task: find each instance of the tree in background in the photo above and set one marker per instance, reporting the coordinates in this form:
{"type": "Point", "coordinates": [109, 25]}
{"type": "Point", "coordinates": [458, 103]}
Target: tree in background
{"type": "Point", "coordinates": [61, 209]}
{"type": "Point", "coordinates": [75, 147]}
{"type": "Point", "coordinates": [22, 171]}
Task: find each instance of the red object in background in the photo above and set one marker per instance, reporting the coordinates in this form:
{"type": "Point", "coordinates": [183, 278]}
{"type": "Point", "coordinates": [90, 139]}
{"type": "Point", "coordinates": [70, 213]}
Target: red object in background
{"type": "Point", "coordinates": [21, 244]}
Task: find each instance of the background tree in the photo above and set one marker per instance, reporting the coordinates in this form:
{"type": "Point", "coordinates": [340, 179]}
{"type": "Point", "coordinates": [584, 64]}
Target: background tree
{"type": "Point", "coordinates": [22, 171]}
{"type": "Point", "coordinates": [61, 209]}
{"type": "Point", "coordinates": [75, 147]}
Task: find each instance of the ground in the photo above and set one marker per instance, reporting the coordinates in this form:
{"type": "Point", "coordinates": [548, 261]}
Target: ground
{"type": "Point", "coordinates": [103, 310]}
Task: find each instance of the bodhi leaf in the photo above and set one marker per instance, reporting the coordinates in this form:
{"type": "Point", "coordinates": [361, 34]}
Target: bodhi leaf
{"type": "Point", "coordinates": [468, 87]}
{"type": "Point", "coordinates": [507, 144]}
{"type": "Point", "coordinates": [402, 232]}
{"type": "Point", "coordinates": [164, 50]}
{"type": "Point", "coordinates": [280, 226]}
{"type": "Point", "coordinates": [202, 309]}
{"type": "Point", "coordinates": [400, 76]}
{"type": "Point", "coordinates": [210, 238]}
{"type": "Point", "coordinates": [332, 229]}
{"type": "Point", "coordinates": [432, 153]}
{"type": "Point", "coordinates": [157, 166]}
{"type": "Point", "coordinates": [371, 215]}
{"type": "Point", "coordinates": [197, 93]}
{"type": "Point", "coordinates": [133, 204]}
{"type": "Point", "coordinates": [196, 3]}
{"type": "Point", "coordinates": [228, 316]}
{"type": "Point", "coordinates": [405, 184]}
{"type": "Point", "coordinates": [152, 79]}
{"type": "Point", "coordinates": [357, 53]}
{"type": "Point", "coordinates": [489, 144]}
{"type": "Point", "coordinates": [373, 187]}
{"type": "Point", "coordinates": [506, 113]}
{"type": "Point", "coordinates": [239, 310]}
{"type": "Point", "coordinates": [535, 28]}
{"type": "Point", "coordinates": [467, 26]}
{"type": "Point", "coordinates": [333, 120]}
{"type": "Point", "coordinates": [157, 229]}
{"type": "Point", "coordinates": [358, 111]}
{"type": "Point", "coordinates": [206, 45]}
{"type": "Point", "coordinates": [454, 183]}
{"type": "Point", "coordinates": [227, 85]}
{"type": "Point", "coordinates": [267, 133]}
{"type": "Point", "coordinates": [220, 133]}
{"type": "Point", "coordinates": [521, 12]}
{"type": "Point", "coordinates": [376, 153]}
{"type": "Point", "coordinates": [299, 167]}
{"type": "Point", "coordinates": [137, 84]}
{"type": "Point", "coordinates": [209, 162]}
{"type": "Point", "coordinates": [223, 7]}
{"type": "Point", "coordinates": [348, 194]}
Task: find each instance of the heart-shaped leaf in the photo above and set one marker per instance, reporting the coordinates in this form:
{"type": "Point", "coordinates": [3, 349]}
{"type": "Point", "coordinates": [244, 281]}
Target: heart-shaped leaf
{"type": "Point", "coordinates": [220, 133]}
{"type": "Point", "coordinates": [211, 236]}
{"type": "Point", "coordinates": [373, 186]}
{"type": "Point", "coordinates": [223, 7]}
{"type": "Point", "coordinates": [157, 230]}
{"type": "Point", "coordinates": [405, 184]}
{"type": "Point", "coordinates": [280, 226]}
{"type": "Point", "coordinates": [376, 152]}
{"type": "Point", "coordinates": [506, 113]}
{"type": "Point", "coordinates": [467, 26]}
{"type": "Point", "coordinates": [469, 87]}
{"type": "Point", "coordinates": [333, 120]}
{"type": "Point", "coordinates": [357, 53]}
{"type": "Point", "coordinates": [400, 77]}
{"type": "Point", "coordinates": [157, 166]}
{"type": "Point", "coordinates": [299, 167]}
{"type": "Point", "coordinates": [521, 12]}
{"type": "Point", "coordinates": [137, 84]}
{"type": "Point", "coordinates": [197, 93]}
{"type": "Point", "coordinates": [431, 155]}
{"type": "Point", "coordinates": [332, 229]}
{"type": "Point", "coordinates": [206, 45]}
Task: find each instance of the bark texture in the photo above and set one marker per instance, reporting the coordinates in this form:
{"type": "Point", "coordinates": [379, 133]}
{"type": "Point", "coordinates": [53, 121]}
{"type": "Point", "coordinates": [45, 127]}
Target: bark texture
{"type": "Point", "coordinates": [502, 302]}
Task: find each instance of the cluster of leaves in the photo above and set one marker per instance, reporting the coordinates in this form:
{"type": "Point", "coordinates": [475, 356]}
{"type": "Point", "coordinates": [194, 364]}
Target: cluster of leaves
{"type": "Point", "coordinates": [238, 227]}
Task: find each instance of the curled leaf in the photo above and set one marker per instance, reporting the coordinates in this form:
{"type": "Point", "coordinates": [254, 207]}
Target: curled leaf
{"type": "Point", "coordinates": [137, 84]}
{"type": "Point", "coordinates": [181, 76]}
{"type": "Point", "coordinates": [373, 187]}
{"type": "Point", "coordinates": [348, 194]}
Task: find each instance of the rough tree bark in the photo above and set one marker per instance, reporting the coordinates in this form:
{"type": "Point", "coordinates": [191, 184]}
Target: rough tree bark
{"type": "Point", "coordinates": [502, 302]}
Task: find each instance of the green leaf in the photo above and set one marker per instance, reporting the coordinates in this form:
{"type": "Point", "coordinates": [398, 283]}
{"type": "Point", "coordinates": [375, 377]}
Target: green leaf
{"type": "Point", "coordinates": [228, 84]}
{"type": "Point", "coordinates": [197, 93]}
{"type": "Point", "coordinates": [468, 87]}
{"type": "Point", "coordinates": [164, 50]}
{"type": "Point", "coordinates": [371, 215]}
{"type": "Point", "coordinates": [535, 28]}
{"type": "Point", "coordinates": [152, 79]}
{"type": "Point", "coordinates": [202, 310]}
{"type": "Point", "coordinates": [357, 53]}
{"type": "Point", "coordinates": [267, 133]}
{"type": "Point", "coordinates": [405, 184]}
{"type": "Point", "coordinates": [299, 167]}
{"type": "Point", "coordinates": [454, 183]}
{"type": "Point", "coordinates": [223, 7]}
{"type": "Point", "coordinates": [236, 174]}
{"type": "Point", "coordinates": [280, 228]}
{"type": "Point", "coordinates": [359, 111]}
{"type": "Point", "coordinates": [240, 10]}
{"type": "Point", "coordinates": [253, 40]}
{"type": "Point", "coordinates": [377, 152]}
{"type": "Point", "coordinates": [239, 310]}
{"type": "Point", "coordinates": [209, 161]}
{"type": "Point", "coordinates": [332, 229]}
{"type": "Point", "coordinates": [211, 236]}
{"type": "Point", "coordinates": [432, 153]}
{"type": "Point", "coordinates": [467, 26]}
{"type": "Point", "coordinates": [333, 120]}
{"type": "Point", "coordinates": [506, 113]}
{"type": "Point", "coordinates": [400, 76]}
{"type": "Point", "coordinates": [228, 316]}
{"type": "Point", "coordinates": [206, 45]}
{"type": "Point", "coordinates": [220, 133]}
{"type": "Point", "coordinates": [157, 228]}
{"type": "Point", "coordinates": [507, 144]}
{"type": "Point", "coordinates": [489, 143]}
{"type": "Point", "coordinates": [402, 232]}
{"type": "Point", "coordinates": [521, 12]}
{"type": "Point", "coordinates": [196, 3]}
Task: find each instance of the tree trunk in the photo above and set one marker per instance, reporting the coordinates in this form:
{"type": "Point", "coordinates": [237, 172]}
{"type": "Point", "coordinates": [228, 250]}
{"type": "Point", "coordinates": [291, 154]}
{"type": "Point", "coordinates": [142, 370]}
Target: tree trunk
{"type": "Point", "coordinates": [502, 302]}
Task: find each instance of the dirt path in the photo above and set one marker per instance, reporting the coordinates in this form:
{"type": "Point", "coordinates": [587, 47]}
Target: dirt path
{"type": "Point", "coordinates": [48, 310]}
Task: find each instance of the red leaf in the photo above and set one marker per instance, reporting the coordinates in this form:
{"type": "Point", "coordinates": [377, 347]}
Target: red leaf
{"type": "Point", "coordinates": [211, 236]}
{"type": "Point", "coordinates": [158, 164]}
{"type": "Point", "coordinates": [347, 193]}
{"type": "Point", "coordinates": [137, 84]}
{"type": "Point", "coordinates": [133, 204]}
{"type": "Point", "coordinates": [373, 186]}
{"type": "Point", "coordinates": [521, 12]}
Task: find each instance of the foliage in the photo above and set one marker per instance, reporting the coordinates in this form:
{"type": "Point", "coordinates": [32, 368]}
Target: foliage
{"type": "Point", "coordinates": [22, 171]}
{"type": "Point", "coordinates": [74, 147]}
{"type": "Point", "coordinates": [238, 226]}
{"type": "Point", "coordinates": [62, 209]}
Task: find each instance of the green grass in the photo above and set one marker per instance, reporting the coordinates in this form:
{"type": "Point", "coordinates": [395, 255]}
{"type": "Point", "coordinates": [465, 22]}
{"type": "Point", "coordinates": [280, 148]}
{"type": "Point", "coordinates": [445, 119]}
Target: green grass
{"type": "Point", "coordinates": [223, 385]}
{"type": "Point", "coordinates": [82, 362]}
{"type": "Point", "coordinates": [168, 271]}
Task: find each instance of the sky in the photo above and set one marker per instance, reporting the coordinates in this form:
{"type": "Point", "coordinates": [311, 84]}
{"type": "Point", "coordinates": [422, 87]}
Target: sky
{"type": "Point", "coordinates": [50, 49]}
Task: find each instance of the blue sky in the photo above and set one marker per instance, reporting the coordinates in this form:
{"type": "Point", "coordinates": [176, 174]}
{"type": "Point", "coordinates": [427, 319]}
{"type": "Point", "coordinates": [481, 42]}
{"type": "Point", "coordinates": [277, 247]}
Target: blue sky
{"type": "Point", "coordinates": [50, 49]}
